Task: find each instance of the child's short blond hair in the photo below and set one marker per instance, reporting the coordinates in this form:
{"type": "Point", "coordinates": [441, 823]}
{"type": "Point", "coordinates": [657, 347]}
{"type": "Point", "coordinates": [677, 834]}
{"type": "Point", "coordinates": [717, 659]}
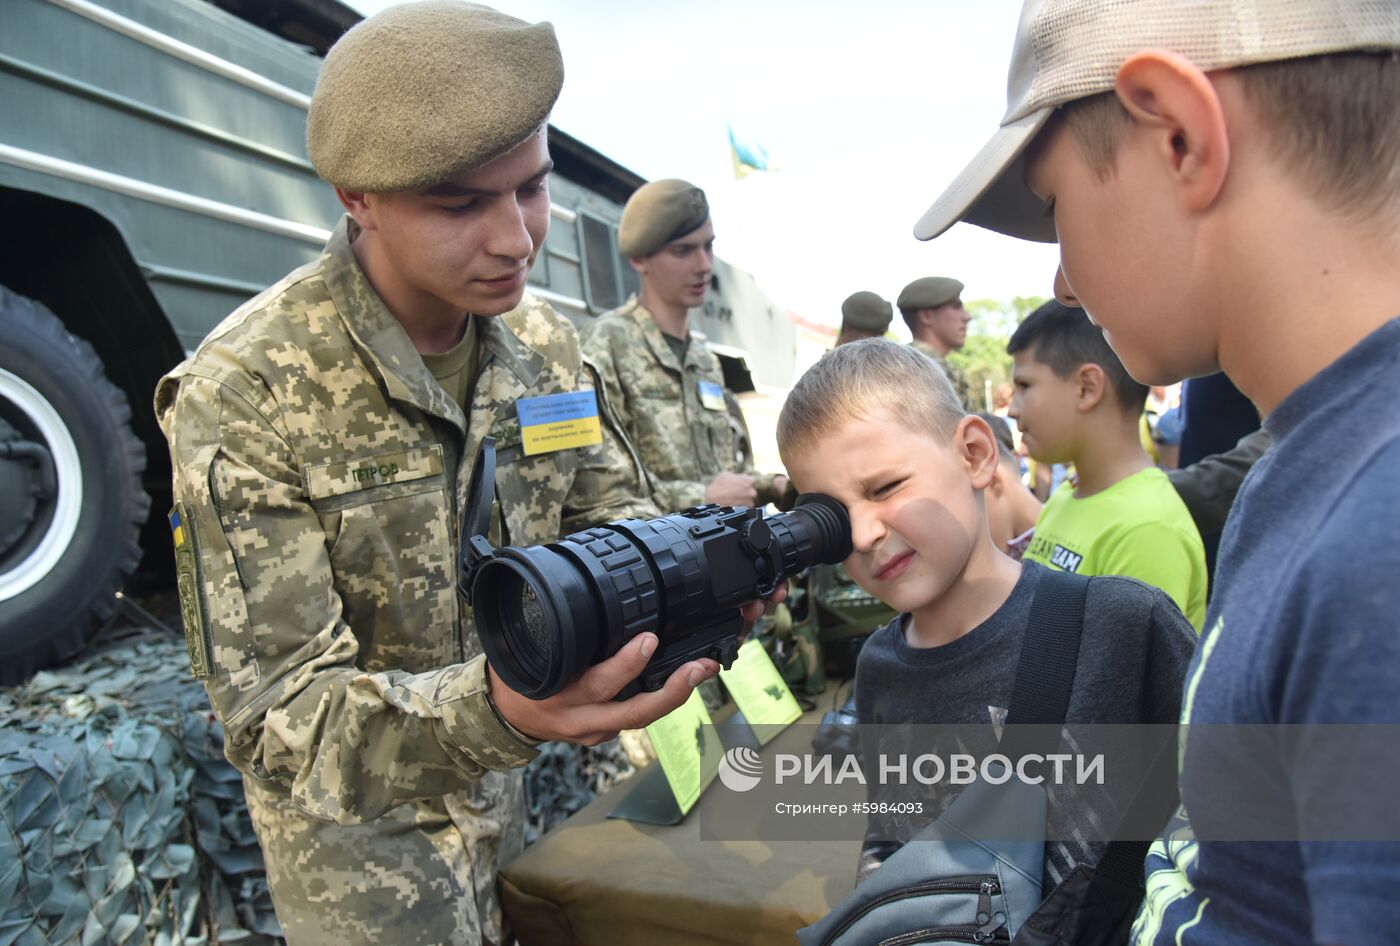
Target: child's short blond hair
{"type": "Point", "coordinates": [865, 378]}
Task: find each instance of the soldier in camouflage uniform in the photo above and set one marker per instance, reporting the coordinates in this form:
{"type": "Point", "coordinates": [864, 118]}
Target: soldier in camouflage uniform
{"type": "Point", "coordinates": [321, 464]}
{"type": "Point", "coordinates": [932, 308]}
{"type": "Point", "coordinates": [662, 379]}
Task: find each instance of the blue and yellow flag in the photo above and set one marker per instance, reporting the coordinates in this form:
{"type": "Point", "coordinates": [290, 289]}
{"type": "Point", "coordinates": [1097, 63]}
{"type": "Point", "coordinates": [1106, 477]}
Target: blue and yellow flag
{"type": "Point", "coordinates": [748, 155]}
{"type": "Point", "coordinates": [559, 421]}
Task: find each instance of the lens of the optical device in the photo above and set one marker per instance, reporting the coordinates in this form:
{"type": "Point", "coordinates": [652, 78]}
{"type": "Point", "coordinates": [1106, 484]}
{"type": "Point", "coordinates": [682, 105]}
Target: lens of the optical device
{"type": "Point", "coordinates": [528, 629]}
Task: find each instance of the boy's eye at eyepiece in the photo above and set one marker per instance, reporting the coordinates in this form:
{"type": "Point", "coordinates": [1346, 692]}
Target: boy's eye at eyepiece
{"type": "Point", "coordinates": [546, 613]}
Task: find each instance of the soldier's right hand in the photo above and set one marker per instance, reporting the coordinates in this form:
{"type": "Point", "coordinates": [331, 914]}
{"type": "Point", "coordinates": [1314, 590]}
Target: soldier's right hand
{"type": "Point", "coordinates": [732, 489]}
{"type": "Point", "coordinates": [584, 711]}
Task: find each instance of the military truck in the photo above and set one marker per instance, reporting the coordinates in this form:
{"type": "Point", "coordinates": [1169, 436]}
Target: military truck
{"type": "Point", "coordinates": [153, 176]}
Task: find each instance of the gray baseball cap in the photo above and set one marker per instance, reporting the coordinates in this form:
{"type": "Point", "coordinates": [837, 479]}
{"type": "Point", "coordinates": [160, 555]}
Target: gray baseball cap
{"type": "Point", "coordinates": [1070, 49]}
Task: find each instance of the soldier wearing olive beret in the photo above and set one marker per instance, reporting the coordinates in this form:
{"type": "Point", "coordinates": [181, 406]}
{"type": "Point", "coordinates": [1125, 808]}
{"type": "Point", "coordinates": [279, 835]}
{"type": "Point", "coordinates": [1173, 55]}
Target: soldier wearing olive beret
{"type": "Point", "coordinates": [321, 440]}
{"type": "Point", "coordinates": [864, 315]}
{"type": "Point", "coordinates": [658, 213]}
{"type": "Point", "coordinates": [480, 83]}
{"type": "Point", "coordinates": [932, 308]}
{"type": "Point", "coordinates": [663, 379]}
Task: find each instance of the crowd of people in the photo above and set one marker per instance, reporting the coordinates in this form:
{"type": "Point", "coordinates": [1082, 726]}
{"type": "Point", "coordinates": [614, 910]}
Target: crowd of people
{"type": "Point", "coordinates": [1223, 181]}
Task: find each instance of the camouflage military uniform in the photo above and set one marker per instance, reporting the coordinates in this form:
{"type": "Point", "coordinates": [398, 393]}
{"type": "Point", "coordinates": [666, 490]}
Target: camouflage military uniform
{"type": "Point", "coordinates": [321, 473]}
{"type": "Point", "coordinates": [683, 444]}
{"type": "Point", "coordinates": [960, 385]}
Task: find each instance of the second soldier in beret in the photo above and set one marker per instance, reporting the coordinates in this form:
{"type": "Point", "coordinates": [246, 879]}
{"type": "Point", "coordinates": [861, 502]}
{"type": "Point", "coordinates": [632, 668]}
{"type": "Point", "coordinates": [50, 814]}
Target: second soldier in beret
{"type": "Point", "coordinates": [864, 315]}
{"type": "Point", "coordinates": [661, 377]}
{"type": "Point", "coordinates": [322, 439]}
{"type": "Point", "coordinates": [932, 307]}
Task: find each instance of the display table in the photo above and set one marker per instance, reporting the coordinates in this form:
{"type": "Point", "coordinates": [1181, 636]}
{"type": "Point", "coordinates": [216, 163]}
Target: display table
{"type": "Point", "coordinates": [596, 881]}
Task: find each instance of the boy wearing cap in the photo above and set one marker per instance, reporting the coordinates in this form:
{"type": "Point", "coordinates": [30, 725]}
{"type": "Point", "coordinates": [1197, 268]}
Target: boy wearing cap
{"type": "Point", "coordinates": [1224, 182]}
{"type": "Point", "coordinates": [662, 379]}
{"type": "Point", "coordinates": [932, 307]}
{"type": "Point", "coordinates": [322, 438]}
{"type": "Point", "coordinates": [864, 315]}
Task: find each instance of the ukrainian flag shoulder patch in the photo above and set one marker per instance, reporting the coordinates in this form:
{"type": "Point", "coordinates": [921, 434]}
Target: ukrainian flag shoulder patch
{"type": "Point", "coordinates": [191, 601]}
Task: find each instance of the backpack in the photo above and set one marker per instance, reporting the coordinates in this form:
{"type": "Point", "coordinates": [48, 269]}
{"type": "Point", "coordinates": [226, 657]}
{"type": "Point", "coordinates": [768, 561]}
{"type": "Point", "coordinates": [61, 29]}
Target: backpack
{"type": "Point", "coordinates": [1095, 906]}
{"type": "Point", "coordinates": [952, 883]}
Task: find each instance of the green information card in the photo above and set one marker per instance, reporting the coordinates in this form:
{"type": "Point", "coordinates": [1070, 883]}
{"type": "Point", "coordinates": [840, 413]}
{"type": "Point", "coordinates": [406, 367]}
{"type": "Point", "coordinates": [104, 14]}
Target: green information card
{"type": "Point", "coordinates": [688, 749]}
{"type": "Point", "coordinates": [760, 692]}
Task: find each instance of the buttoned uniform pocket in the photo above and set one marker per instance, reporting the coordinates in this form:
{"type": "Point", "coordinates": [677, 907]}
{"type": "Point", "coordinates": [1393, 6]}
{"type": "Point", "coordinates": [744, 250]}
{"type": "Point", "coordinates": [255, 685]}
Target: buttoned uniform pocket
{"type": "Point", "coordinates": [387, 521]}
{"type": "Point", "coordinates": [719, 434]}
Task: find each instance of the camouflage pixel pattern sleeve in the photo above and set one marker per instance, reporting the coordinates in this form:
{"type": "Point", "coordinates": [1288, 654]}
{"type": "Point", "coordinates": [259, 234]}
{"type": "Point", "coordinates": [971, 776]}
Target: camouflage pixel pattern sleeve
{"type": "Point", "coordinates": [320, 477]}
{"type": "Point", "coordinates": [321, 487]}
{"type": "Point", "coordinates": [297, 708]}
{"type": "Point", "coordinates": [682, 443]}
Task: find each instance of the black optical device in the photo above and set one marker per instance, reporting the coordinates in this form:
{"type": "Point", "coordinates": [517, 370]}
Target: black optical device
{"type": "Point", "coordinates": [546, 613]}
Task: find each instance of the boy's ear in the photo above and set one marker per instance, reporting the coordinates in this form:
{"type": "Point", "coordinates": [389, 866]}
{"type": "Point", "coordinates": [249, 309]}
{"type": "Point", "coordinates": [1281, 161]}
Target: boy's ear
{"type": "Point", "coordinates": [1178, 105]}
{"type": "Point", "coordinates": [1092, 386]}
{"type": "Point", "coordinates": [978, 445]}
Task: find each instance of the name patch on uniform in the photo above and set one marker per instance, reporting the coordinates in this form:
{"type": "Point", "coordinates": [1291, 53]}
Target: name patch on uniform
{"type": "Point", "coordinates": [342, 477]}
{"type": "Point", "coordinates": [559, 421]}
{"type": "Point", "coordinates": [187, 580]}
{"type": "Point", "coordinates": [711, 396]}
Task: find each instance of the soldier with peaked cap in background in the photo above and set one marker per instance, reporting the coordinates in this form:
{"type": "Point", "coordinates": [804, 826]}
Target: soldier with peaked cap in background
{"type": "Point", "coordinates": [932, 308]}
{"type": "Point", "coordinates": [322, 439]}
{"type": "Point", "coordinates": [662, 378]}
{"type": "Point", "coordinates": [864, 315]}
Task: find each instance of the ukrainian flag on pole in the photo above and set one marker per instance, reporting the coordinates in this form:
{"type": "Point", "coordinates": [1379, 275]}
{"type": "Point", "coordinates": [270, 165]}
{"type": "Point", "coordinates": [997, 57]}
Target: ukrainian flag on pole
{"type": "Point", "coordinates": [748, 155]}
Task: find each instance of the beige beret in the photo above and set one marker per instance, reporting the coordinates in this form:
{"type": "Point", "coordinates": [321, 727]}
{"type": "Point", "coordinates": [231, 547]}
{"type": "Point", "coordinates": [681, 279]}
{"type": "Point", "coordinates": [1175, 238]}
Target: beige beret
{"type": "Point", "coordinates": [867, 312]}
{"type": "Point", "coordinates": [929, 293]}
{"type": "Point", "coordinates": [424, 91]}
{"type": "Point", "coordinates": [658, 213]}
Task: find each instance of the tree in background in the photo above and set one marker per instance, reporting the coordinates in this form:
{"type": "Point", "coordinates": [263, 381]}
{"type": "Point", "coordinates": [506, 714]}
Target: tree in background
{"type": "Point", "coordinates": [983, 359]}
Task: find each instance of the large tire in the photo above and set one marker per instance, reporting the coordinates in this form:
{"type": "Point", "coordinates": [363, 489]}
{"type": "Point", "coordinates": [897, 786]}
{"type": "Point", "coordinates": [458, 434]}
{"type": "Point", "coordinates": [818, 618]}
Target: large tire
{"type": "Point", "coordinates": [71, 502]}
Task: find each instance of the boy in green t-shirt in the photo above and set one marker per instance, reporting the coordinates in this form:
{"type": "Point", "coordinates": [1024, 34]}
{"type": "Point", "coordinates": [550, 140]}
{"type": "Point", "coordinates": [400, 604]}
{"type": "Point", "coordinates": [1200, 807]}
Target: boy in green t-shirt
{"type": "Point", "coordinates": [1075, 403]}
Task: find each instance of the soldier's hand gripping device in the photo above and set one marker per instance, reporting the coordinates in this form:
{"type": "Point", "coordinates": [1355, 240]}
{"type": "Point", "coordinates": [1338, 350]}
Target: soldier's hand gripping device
{"type": "Point", "coordinates": [546, 613]}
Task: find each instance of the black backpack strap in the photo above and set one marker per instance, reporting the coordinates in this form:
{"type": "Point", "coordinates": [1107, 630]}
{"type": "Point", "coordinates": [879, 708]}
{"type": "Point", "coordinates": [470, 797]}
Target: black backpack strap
{"type": "Point", "coordinates": [1155, 802]}
{"type": "Point", "coordinates": [1045, 671]}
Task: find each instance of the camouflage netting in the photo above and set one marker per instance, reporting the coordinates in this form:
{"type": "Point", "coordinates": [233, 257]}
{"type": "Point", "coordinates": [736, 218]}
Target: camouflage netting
{"type": "Point", "coordinates": [567, 777]}
{"type": "Point", "coordinates": [121, 822]}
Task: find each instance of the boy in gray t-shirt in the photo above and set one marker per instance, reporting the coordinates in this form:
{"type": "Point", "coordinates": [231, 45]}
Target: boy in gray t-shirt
{"type": "Point", "coordinates": [878, 427]}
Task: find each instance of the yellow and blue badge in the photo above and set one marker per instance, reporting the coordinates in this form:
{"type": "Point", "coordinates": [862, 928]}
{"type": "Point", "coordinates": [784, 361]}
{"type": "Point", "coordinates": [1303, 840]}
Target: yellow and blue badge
{"type": "Point", "coordinates": [191, 601]}
{"type": "Point", "coordinates": [559, 421]}
{"type": "Point", "coordinates": [711, 396]}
